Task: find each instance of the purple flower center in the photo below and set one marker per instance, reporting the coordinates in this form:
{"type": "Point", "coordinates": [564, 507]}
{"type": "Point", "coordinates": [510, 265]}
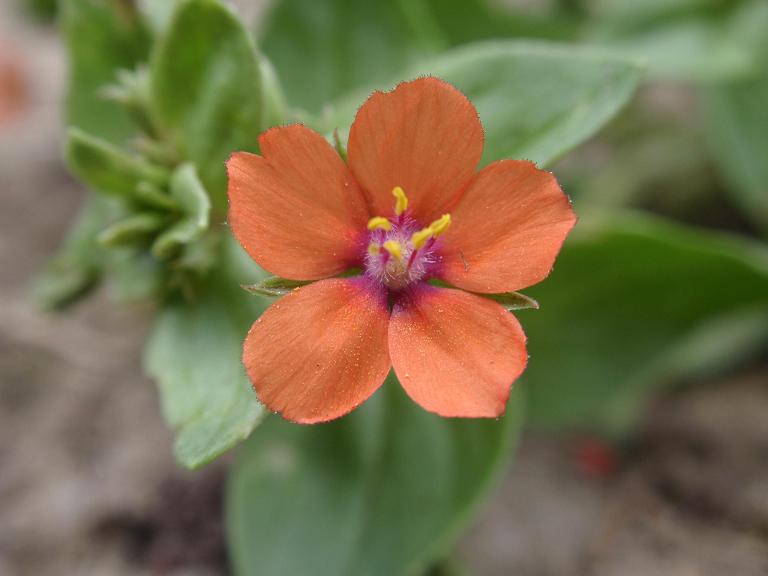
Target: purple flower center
{"type": "Point", "coordinates": [394, 259]}
{"type": "Point", "coordinates": [400, 252]}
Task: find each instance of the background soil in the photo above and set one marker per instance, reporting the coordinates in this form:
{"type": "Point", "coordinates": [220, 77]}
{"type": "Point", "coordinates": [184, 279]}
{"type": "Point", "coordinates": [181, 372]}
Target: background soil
{"type": "Point", "coordinates": [88, 484]}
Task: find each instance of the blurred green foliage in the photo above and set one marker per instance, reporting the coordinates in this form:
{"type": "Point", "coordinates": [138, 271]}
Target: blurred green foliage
{"type": "Point", "coordinates": [44, 10]}
{"type": "Point", "coordinates": [736, 122]}
{"type": "Point", "coordinates": [205, 87]}
{"type": "Point", "coordinates": [382, 491]}
{"type": "Point", "coordinates": [325, 49]}
{"type": "Point", "coordinates": [541, 122]}
{"type": "Point", "coordinates": [102, 36]}
{"type": "Point", "coordinates": [628, 292]}
{"type": "Point", "coordinates": [194, 354]}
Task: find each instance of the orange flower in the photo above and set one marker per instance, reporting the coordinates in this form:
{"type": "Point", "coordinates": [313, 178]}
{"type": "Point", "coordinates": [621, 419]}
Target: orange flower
{"type": "Point", "coordinates": [409, 207]}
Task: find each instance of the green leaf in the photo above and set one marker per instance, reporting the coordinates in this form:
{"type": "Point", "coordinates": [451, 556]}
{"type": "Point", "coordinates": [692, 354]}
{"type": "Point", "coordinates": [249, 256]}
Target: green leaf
{"type": "Point", "coordinates": [274, 286]}
{"type": "Point", "coordinates": [135, 228]}
{"type": "Point", "coordinates": [77, 267]}
{"type": "Point", "coordinates": [517, 88]}
{"type": "Point", "coordinates": [153, 197]}
{"type": "Point", "coordinates": [627, 293]}
{"type": "Point", "coordinates": [131, 91]}
{"type": "Point", "coordinates": [689, 40]}
{"type": "Point", "coordinates": [44, 10]}
{"type": "Point", "coordinates": [194, 355]}
{"type": "Point", "coordinates": [132, 275]}
{"type": "Point", "coordinates": [101, 36]}
{"type": "Point", "coordinates": [157, 13]}
{"type": "Point", "coordinates": [690, 50]}
{"type": "Point", "coordinates": [206, 89]}
{"type": "Point", "coordinates": [463, 21]}
{"type": "Point", "coordinates": [736, 120]}
{"type": "Point", "coordinates": [324, 49]}
{"type": "Point", "coordinates": [106, 168]}
{"type": "Point", "coordinates": [513, 300]}
{"type": "Point", "coordinates": [383, 491]}
{"type": "Point", "coordinates": [192, 198]}
{"type": "Point", "coordinates": [275, 107]}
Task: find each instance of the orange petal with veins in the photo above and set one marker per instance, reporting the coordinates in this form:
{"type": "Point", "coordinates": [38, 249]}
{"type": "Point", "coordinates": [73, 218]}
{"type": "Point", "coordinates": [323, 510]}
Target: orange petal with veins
{"type": "Point", "coordinates": [297, 209]}
{"type": "Point", "coordinates": [506, 230]}
{"type": "Point", "coordinates": [424, 136]}
{"type": "Point", "coordinates": [456, 354]}
{"type": "Point", "coordinates": [321, 351]}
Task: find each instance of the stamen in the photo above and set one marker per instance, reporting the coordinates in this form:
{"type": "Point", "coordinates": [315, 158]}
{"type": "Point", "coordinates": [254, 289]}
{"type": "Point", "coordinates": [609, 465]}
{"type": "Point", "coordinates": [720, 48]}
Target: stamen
{"type": "Point", "coordinates": [441, 224]}
{"type": "Point", "coordinates": [374, 249]}
{"type": "Point", "coordinates": [401, 200]}
{"type": "Point", "coordinates": [394, 248]}
{"type": "Point", "coordinates": [418, 239]}
{"type": "Point", "coordinates": [379, 223]}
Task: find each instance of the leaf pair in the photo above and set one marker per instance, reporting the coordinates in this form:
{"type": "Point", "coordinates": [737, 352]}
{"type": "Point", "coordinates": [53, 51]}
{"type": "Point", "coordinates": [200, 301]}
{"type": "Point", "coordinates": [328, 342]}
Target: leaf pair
{"type": "Point", "coordinates": [276, 287]}
{"type": "Point", "coordinates": [171, 207]}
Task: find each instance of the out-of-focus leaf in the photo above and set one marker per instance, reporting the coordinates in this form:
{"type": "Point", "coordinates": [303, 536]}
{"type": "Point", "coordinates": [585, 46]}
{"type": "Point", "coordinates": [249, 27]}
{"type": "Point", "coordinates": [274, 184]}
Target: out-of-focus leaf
{"type": "Point", "coordinates": [691, 50]}
{"type": "Point", "coordinates": [324, 49]}
{"type": "Point", "coordinates": [383, 491]}
{"type": "Point", "coordinates": [43, 9]}
{"type": "Point", "coordinates": [77, 266]}
{"type": "Point", "coordinates": [192, 198]}
{"type": "Point", "coordinates": [536, 100]}
{"type": "Point", "coordinates": [629, 14]}
{"type": "Point", "coordinates": [653, 160]}
{"type": "Point", "coordinates": [107, 168]}
{"type": "Point", "coordinates": [626, 294]}
{"type": "Point", "coordinates": [274, 286]}
{"type": "Point", "coordinates": [719, 343]}
{"type": "Point", "coordinates": [194, 355]}
{"type": "Point", "coordinates": [274, 104]}
{"type": "Point", "coordinates": [157, 13]}
{"type": "Point", "coordinates": [134, 228]}
{"type": "Point", "coordinates": [102, 36]}
{"type": "Point", "coordinates": [736, 119]}
{"type": "Point", "coordinates": [131, 90]}
{"type": "Point", "coordinates": [688, 40]}
{"type": "Point", "coordinates": [463, 21]}
{"type": "Point", "coordinates": [132, 275]}
{"type": "Point", "coordinates": [206, 89]}
{"type": "Point", "coordinates": [153, 197]}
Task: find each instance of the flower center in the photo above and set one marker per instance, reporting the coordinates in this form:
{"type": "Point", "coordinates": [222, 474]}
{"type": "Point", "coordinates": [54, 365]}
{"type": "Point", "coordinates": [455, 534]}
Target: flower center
{"type": "Point", "coordinates": [399, 251]}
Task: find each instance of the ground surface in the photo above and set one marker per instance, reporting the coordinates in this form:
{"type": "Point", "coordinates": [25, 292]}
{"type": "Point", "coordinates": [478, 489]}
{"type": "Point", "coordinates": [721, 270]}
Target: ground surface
{"type": "Point", "coordinates": [88, 486]}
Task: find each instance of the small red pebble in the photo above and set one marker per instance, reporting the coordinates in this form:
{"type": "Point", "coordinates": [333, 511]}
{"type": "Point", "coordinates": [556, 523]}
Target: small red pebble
{"type": "Point", "coordinates": [13, 92]}
{"type": "Point", "coordinates": [596, 458]}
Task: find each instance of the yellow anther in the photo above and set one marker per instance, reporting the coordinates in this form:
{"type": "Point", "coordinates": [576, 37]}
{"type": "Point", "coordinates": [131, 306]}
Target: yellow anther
{"type": "Point", "coordinates": [401, 200]}
{"type": "Point", "coordinates": [418, 239]}
{"type": "Point", "coordinates": [379, 223]}
{"type": "Point", "coordinates": [374, 249]}
{"type": "Point", "coordinates": [441, 224]}
{"type": "Point", "coordinates": [394, 248]}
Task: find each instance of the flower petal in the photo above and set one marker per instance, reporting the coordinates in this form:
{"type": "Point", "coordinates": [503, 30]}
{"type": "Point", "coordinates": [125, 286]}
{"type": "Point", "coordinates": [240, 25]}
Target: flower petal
{"type": "Point", "coordinates": [455, 353]}
{"type": "Point", "coordinates": [506, 230]}
{"type": "Point", "coordinates": [424, 136]}
{"type": "Point", "coordinates": [320, 351]}
{"type": "Point", "coordinates": [297, 210]}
